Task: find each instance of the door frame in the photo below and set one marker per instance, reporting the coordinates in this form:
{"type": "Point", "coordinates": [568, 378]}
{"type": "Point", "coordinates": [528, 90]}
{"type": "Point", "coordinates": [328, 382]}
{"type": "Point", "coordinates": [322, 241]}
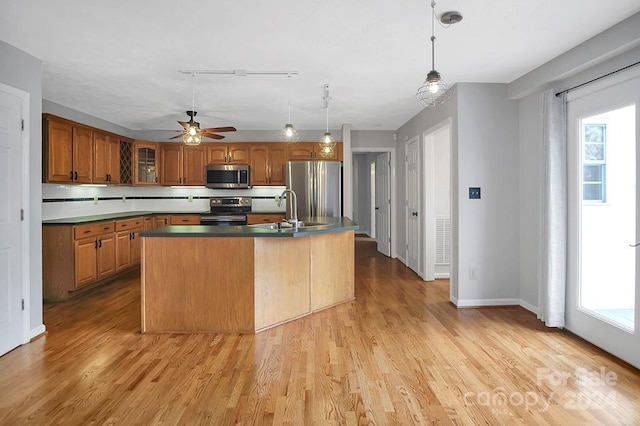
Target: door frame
{"type": "Point", "coordinates": [417, 138]}
{"type": "Point", "coordinates": [25, 99]}
{"type": "Point", "coordinates": [392, 190]}
{"type": "Point", "coordinates": [428, 198]}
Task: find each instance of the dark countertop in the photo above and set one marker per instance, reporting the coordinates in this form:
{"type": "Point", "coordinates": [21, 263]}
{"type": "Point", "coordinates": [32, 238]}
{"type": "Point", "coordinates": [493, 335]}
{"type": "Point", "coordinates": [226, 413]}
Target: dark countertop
{"type": "Point", "coordinates": [110, 216]}
{"type": "Point", "coordinates": [329, 224]}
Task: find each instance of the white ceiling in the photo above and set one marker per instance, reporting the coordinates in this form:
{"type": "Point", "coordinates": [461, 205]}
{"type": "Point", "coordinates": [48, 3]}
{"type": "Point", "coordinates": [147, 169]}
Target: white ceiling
{"type": "Point", "coordinates": [119, 59]}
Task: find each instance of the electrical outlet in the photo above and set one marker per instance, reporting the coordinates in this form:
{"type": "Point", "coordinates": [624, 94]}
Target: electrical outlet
{"type": "Point", "coordinates": [190, 198]}
{"type": "Point", "coordinates": [474, 193]}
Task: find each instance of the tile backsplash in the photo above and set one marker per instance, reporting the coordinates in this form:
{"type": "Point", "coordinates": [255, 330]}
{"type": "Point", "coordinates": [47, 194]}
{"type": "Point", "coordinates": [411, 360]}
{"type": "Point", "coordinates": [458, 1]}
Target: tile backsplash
{"type": "Point", "coordinates": [63, 201]}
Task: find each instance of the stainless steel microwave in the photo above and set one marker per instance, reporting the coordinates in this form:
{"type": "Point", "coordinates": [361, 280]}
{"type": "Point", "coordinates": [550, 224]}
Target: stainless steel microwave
{"type": "Point", "coordinates": [227, 176]}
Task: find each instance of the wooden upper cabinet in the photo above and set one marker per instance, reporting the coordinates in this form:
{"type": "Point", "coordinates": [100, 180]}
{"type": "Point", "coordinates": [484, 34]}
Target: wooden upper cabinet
{"type": "Point", "coordinates": [313, 151]}
{"type": "Point", "coordinates": [145, 163]}
{"type": "Point", "coordinates": [68, 151]}
{"type": "Point", "coordinates": [301, 150]}
{"type": "Point", "coordinates": [218, 153]}
{"type": "Point", "coordinates": [82, 154]}
{"type": "Point", "coordinates": [182, 165]}
{"type": "Point", "coordinates": [58, 142]}
{"type": "Point", "coordinates": [171, 164]}
{"type": "Point", "coordinates": [193, 165]}
{"type": "Point", "coordinates": [106, 158]}
{"type": "Point", "coordinates": [277, 160]}
{"type": "Point", "coordinates": [267, 163]}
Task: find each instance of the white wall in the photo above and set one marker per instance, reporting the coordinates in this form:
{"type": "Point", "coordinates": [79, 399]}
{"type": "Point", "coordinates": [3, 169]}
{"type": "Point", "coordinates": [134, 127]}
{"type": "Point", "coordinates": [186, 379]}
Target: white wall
{"type": "Point", "coordinates": [24, 72]}
{"type": "Point", "coordinates": [488, 227]}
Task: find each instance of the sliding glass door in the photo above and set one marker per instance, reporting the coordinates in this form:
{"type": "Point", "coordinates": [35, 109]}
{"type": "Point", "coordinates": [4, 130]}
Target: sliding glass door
{"type": "Point", "coordinates": [604, 232]}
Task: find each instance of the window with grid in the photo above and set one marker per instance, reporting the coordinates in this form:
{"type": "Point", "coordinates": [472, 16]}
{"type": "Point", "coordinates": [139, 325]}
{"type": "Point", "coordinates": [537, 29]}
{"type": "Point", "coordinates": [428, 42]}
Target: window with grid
{"type": "Point", "coordinates": [594, 137]}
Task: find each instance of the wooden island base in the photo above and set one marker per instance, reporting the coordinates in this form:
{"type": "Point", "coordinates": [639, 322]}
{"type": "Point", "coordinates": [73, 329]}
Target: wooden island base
{"type": "Point", "coordinates": [242, 284]}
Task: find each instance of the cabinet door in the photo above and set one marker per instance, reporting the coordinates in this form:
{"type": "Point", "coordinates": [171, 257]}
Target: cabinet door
{"type": "Point", "coordinates": [113, 160]}
{"type": "Point", "coordinates": [259, 165]}
{"type": "Point", "coordinates": [106, 261]}
{"type": "Point", "coordinates": [58, 141]}
{"type": "Point", "coordinates": [161, 221]}
{"type": "Point", "coordinates": [194, 164]}
{"type": "Point", "coordinates": [85, 261]}
{"type": "Point", "coordinates": [149, 223]}
{"type": "Point", "coordinates": [216, 154]}
{"type": "Point", "coordinates": [100, 158]}
{"type": "Point", "coordinates": [145, 171]}
{"type": "Point", "coordinates": [123, 250]}
{"type": "Point", "coordinates": [277, 160]}
{"type": "Point", "coordinates": [171, 164]}
{"type": "Point", "coordinates": [136, 247]}
{"type": "Point", "coordinates": [238, 154]}
{"type": "Point", "coordinates": [301, 150]}
{"type": "Point", "coordinates": [255, 218]}
{"type": "Point", "coordinates": [82, 154]}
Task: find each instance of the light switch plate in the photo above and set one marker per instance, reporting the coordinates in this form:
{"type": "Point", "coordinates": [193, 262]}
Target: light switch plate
{"type": "Point", "coordinates": [474, 193]}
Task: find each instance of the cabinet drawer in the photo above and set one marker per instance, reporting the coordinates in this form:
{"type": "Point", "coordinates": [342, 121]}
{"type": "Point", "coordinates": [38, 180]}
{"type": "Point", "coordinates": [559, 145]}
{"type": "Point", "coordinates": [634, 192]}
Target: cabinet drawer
{"type": "Point", "coordinates": [92, 229]}
{"type": "Point", "coordinates": [184, 220]}
{"type": "Point", "coordinates": [124, 224]}
{"type": "Point", "coordinates": [255, 218]}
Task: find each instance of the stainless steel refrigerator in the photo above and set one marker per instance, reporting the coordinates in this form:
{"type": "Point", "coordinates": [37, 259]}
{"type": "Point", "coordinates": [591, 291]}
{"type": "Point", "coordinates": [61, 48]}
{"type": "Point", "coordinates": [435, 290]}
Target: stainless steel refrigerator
{"type": "Point", "coordinates": [318, 187]}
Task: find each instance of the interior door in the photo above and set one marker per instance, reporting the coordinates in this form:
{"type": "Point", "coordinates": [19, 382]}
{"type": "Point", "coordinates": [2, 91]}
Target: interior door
{"type": "Point", "coordinates": [413, 189]}
{"type": "Point", "coordinates": [604, 231]}
{"type": "Point", "coordinates": [383, 204]}
{"type": "Point", "coordinates": [11, 319]}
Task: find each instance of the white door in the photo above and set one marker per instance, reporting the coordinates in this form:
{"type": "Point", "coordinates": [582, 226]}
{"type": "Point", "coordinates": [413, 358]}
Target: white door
{"type": "Point", "coordinates": [383, 203]}
{"type": "Point", "coordinates": [604, 232]}
{"type": "Point", "coordinates": [11, 326]}
{"type": "Point", "coordinates": [413, 189]}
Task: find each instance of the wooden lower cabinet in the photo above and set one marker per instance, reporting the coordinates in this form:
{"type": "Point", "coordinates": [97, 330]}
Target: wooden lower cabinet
{"type": "Point", "coordinates": [160, 221]}
{"type": "Point", "coordinates": [75, 257]}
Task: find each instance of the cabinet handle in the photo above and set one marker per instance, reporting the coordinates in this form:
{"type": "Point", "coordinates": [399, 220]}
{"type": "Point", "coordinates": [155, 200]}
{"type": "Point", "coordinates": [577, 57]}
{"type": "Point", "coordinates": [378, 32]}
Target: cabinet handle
{"type": "Point", "coordinates": [99, 243]}
{"type": "Point", "coordinates": [230, 158]}
{"type": "Point", "coordinates": [95, 244]}
{"type": "Point", "coordinates": [156, 179]}
{"type": "Point", "coordinates": [108, 178]}
{"type": "Point", "coordinates": [71, 175]}
{"type": "Point", "coordinates": [106, 228]}
{"type": "Point", "coordinates": [87, 231]}
{"type": "Point", "coordinates": [75, 175]}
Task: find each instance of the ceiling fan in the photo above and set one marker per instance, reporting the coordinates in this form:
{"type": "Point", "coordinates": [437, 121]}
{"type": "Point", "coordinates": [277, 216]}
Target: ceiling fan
{"type": "Point", "coordinates": [192, 134]}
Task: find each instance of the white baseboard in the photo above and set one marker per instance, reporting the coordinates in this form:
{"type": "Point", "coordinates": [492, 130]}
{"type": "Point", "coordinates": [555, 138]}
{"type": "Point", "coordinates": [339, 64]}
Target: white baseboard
{"type": "Point", "coordinates": [35, 332]}
{"type": "Point", "coordinates": [529, 307]}
{"type": "Point", "coordinates": [473, 303]}
{"type": "Point", "coordinates": [402, 260]}
{"type": "Point", "coordinates": [442, 275]}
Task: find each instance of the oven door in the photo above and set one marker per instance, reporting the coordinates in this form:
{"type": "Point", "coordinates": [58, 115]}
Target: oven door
{"type": "Point", "coordinates": [223, 220]}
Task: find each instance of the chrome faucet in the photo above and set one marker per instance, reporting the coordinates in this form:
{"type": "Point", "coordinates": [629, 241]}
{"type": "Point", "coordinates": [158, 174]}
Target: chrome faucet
{"type": "Point", "coordinates": [294, 220]}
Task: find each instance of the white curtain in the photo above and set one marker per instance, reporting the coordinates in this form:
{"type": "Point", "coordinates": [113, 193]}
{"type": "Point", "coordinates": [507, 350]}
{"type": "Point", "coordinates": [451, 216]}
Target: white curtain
{"type": "Point", "coordinates": [551, 296]}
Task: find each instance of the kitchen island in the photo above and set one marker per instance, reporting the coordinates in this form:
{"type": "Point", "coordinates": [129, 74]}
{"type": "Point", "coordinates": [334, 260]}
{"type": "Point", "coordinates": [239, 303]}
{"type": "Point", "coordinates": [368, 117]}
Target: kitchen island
{"type": "Point", "coordinates": [244, 279]}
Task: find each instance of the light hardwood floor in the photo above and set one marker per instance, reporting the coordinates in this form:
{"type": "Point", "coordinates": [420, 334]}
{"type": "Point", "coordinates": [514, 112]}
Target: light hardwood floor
{"type": "Point", "coordinates": [399, 354]}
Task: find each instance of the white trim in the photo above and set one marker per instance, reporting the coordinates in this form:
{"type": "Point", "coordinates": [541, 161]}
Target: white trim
{"type": "Point", "coordinates": [401, 259]}
{"type": "Point", "coordinates": [442, 275]}
{"type": "Point", "coordinates": [25, 99]}
{"type": "Point", "coordinates": [471, 303]}
{"type": "Point", "coordinates": [529, 307]}
{"type": "Point", "coordinates": [392, 151]}
{"type": "Point", "coordinates": [408, 141]}
{"type": "Point", "coordinates": [36, 332]}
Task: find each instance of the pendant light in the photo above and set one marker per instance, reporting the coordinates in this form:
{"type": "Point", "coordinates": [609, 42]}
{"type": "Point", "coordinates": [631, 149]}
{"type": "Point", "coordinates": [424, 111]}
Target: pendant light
{"type": "Point", "coordinates": [193, 135]}
{"type": "Point", "coordinates": [327, 142]}
{"type": "Point", "coordinates": [289, 133]}
{"type": "Point", "coordinates": [434, 91]}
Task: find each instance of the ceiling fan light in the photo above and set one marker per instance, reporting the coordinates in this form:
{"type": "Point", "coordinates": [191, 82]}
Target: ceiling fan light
{"type": "Point", "coordinates": [192, 139]}
{"type": "Point", "coordinates": [289, 134]}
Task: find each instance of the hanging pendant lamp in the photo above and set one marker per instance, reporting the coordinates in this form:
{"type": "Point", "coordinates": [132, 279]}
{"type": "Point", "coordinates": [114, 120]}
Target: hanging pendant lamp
{"type": "Point", "coordinates": [434, 91]}
{"type": "Point", "coordinates": [289, 133]}
{"type": "Point", "coordinates": [327, 142]}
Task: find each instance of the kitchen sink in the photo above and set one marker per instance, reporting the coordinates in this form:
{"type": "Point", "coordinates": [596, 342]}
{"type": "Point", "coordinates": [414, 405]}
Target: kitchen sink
{"type": "Point", "coordinates": [286, 225]}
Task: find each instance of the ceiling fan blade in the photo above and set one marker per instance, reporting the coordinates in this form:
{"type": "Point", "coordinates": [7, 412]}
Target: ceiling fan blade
{"type": "Point", "coordinates": [212, 135]}
{"type": "Point", "coordinates": [177, 136]}
{"type": "Point", "coordinates": [220, 129]}
{"type": "Point", "coordinates": [185, 124]}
